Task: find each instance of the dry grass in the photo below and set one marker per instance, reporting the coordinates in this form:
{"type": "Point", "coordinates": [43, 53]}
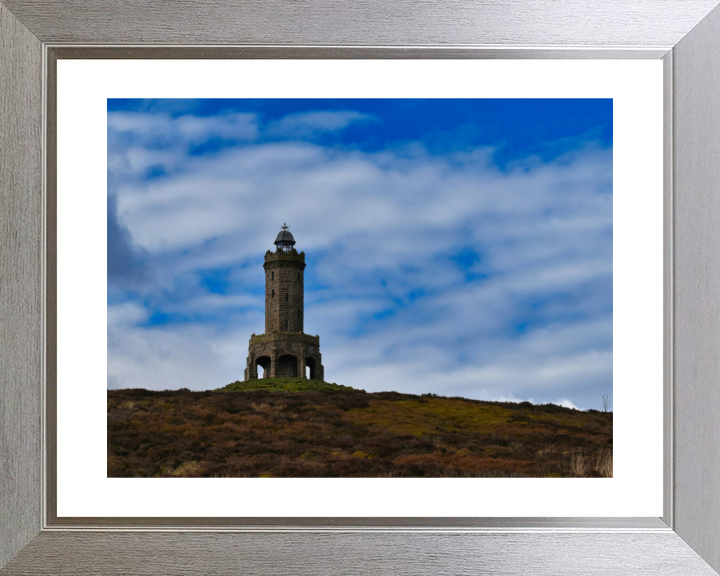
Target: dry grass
{"type": "Point", "coordinates": [581, 465]}
{"type": "Point", "coordinates": [578, 465]}
{"type": "Point", "coordinates": [604, 463]}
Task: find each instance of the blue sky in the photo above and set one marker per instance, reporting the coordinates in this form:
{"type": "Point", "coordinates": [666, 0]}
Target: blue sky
{"type": "Point", "coordinates": [460, 247]}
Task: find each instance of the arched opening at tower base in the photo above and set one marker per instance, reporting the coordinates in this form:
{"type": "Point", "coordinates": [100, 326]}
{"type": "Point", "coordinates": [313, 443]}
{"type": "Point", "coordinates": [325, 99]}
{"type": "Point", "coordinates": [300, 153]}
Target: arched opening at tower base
{"type": "Point", "coordinates": [263, 363]}
{"type": "Point", "coordinates": [310, 368]}
{"type": "Point", "coordinates": [287, 366]}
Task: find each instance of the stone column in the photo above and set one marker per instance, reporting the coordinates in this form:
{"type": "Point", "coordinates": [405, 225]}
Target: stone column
{"type": "Point", "coordinates": [252, 369]}
{"type": "Point", "coordinates": [273, 364]}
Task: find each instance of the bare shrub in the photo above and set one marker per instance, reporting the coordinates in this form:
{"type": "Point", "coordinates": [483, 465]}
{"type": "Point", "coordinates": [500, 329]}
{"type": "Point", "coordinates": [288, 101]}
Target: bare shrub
{"type": "Point", "coordinates": [604, 463]}
{"type": "Point", "coordinates": [605, 402]}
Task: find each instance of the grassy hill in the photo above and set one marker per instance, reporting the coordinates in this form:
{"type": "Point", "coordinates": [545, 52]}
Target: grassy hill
{"type": "Point", "coordinates": [286, 427]}
{"type": "Point", "coordinates": [284, 385]}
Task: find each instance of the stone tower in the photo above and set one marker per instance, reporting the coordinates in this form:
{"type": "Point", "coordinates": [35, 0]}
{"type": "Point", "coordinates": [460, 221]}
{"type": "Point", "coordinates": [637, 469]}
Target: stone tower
{"type": "Point", "coordinates": [284, 350]}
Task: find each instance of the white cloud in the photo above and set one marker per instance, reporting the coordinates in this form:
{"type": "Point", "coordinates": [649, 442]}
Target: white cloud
{"type": "Point", "coordinates": [126, 314]}
{"type": "Point", "coordinates": [174, 356]}
{"type": "Point", "coordinates": [161, 358]}
{"type": "Point", "coordinates": [309, 124]}
{"type": "Point", "coordinates": [566, 403]}
{"type": "Point", "coordinates": [184, 130]}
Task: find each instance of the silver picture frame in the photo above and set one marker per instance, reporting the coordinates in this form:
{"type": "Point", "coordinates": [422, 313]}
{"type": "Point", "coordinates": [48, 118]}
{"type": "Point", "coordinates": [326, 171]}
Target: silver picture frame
{"type": "Point", "coordinates": [685, 34]}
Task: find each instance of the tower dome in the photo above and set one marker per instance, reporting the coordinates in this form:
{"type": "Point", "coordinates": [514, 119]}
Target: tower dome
{"type": "Point", "coordinates": [285, 240]}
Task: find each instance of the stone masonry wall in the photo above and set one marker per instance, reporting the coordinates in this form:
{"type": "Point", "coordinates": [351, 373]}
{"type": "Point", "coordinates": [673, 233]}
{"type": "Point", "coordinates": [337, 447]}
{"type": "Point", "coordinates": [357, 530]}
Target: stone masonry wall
{"type": "Point", "coordinates": [284, 355]}
{"type": "Point", "coordinates": [284, 291]}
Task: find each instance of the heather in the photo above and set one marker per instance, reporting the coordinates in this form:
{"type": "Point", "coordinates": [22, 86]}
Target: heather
{"type": "Point", "coordinates": [294, 428]}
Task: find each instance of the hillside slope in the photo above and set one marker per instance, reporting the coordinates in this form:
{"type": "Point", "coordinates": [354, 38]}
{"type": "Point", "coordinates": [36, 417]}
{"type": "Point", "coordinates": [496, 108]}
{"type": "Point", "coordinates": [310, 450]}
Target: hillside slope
{"type": "Point", "coordinates": [285, 385]}
{"type": "Point", "coordinates": [335, 432]}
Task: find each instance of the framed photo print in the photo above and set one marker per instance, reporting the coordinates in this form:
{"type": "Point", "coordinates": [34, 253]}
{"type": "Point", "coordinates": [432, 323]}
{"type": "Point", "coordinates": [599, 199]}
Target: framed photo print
{"type": "Point", "coordinates": [428, 294]}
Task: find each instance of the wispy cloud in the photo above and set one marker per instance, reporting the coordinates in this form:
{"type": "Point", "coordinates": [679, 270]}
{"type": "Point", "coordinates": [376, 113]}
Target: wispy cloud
{"type": "Point", "coordinates": [162, 129]}
{"type": "Point", "coordinates": [311, 124]}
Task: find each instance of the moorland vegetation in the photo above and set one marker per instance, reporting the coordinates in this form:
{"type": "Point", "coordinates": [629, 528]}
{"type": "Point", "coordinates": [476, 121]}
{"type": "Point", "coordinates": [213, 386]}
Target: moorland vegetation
{"type": "Point", "coordinates": [299, 428]}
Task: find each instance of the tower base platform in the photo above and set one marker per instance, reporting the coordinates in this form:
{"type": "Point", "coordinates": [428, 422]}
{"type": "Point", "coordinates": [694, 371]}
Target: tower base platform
{"type": "Point", "coordinates": [284, 355]}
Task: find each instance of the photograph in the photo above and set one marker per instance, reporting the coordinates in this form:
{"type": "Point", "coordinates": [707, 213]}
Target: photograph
{"type": "Point", "coordinates": [347, 288]}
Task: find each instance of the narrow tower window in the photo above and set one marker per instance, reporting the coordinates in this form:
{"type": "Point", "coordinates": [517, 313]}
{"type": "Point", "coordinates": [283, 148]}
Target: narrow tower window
{"type": "Point", "coordinates": [287, 325]}
{"type": "Point", "coordinates": [272, 275]}
{"type": "Point", "coordinates": [287, 296]}
{"type": "Point", "coordinates": [273, 293]}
